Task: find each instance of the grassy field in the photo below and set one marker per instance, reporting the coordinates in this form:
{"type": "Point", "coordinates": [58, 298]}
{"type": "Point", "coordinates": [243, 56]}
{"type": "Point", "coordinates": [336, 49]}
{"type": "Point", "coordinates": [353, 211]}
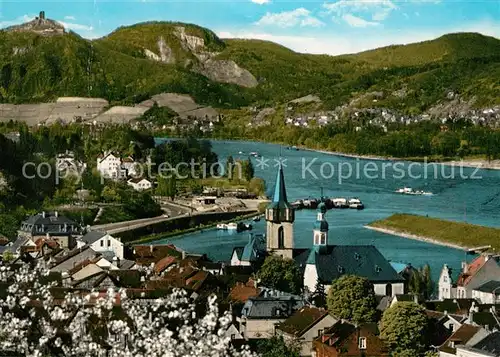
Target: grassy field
{"type": "Point", "coordinates": [462, 234]}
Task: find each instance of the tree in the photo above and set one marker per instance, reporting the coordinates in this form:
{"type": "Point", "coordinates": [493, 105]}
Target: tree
{"type": "Point", "coordinates": [277, 347]}
{"type": "Point", "coordinates": [257, 186]}
{"type": "Point", "coordinates": [403, 328]}
{"type": "Point", "coordinates": [319, 296]}
{"type": "Point", "coordinates": [229, 167]}
{"type": "Point", "coordinates": [281, 274]}
{"type": "Point", "coordinates": [35, 323]}
{"type": "Point", "coordinates": [428, 284]}
{"type": "Point", "coordinates": [248, 170]}
{"type": "Point", "coordinates": [352, 298]}
{"type": "Point", "coordinates": [167, 187]}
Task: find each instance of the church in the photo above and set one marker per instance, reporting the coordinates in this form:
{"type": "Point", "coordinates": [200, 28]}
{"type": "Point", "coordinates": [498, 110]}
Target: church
{"type": "Point", "coordinates": [325, 262]}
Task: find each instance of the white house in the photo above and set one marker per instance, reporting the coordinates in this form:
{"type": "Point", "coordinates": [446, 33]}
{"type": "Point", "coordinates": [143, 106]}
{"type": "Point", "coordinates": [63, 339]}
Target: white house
{"type": "Point", "coordinates": [109, 165]}
{"type": "Point", "coordinates": [485, 268]}
{"type": "Point", "coordinates": [488, 293]}
{"type": "Point", "coordinates": [140, 184]}
{"type": "Point", "coordinates": [102, 242]}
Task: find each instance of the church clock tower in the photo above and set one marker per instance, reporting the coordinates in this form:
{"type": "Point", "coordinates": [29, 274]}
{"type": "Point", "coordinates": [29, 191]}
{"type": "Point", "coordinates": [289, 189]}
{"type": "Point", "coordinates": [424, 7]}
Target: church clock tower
{"type": "Point", "coordinates": [280, 216]}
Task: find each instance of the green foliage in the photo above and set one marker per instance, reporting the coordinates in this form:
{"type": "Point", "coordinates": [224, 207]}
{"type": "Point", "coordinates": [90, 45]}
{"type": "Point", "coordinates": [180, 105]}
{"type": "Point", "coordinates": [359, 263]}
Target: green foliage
{"type": "Point", "coordinates": [159, 115]}
{"type": "Point", "coordinates": [277, 347]}
{"type": "Point", "coordinates": [319, 296]}
{"type": "Point", "coordinates": [167, 186]}
{"type": "Point", "coordinates": [281, 274]}
{"type": "Point", "coordinates": [119, 71]}
{"type": "Point", "coordinates": [458, 233]}
{"type": "Point", "coordinates": [352, 298]}
{"type": "Point", "coordinates": [257, 186]}
{"type": "Point", "coordinates": [403, 328]}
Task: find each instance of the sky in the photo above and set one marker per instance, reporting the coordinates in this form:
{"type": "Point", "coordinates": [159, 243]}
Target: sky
{"type": "Point", "coordinates": [320, 27]}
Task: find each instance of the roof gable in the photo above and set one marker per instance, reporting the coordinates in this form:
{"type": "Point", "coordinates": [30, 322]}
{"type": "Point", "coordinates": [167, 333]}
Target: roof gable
{"type": "Point", "coordinates": [302, 321]}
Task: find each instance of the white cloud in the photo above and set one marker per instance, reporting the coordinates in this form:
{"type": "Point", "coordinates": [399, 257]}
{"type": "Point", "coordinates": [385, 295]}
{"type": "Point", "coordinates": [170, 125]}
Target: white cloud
{"type": "Point", "coordinates": [75, 27]}
{"type": "Point", "coordinates": [300, 16]}
{"type": "Point", "coordinates": [333, 44]}
{"type": "Point", "coordinates": [17, 21]}
{"type": "Point", "coordinates": [354, 10]}
{"type": "Point", "coordinates": [70, 18]}
{"type": "Point", "coordinates": [261, 2]}
{"type": "Point", "coordinates": [355, 21]}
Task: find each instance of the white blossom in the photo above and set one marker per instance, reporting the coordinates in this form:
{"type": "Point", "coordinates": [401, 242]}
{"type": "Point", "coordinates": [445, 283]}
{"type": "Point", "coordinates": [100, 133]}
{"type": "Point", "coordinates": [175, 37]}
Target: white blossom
{"type": "Point", "coordinates": [110, 324]}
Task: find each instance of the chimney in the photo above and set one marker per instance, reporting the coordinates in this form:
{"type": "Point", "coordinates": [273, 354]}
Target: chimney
{"type": "Point", "coordinates": [42, 15]}
{"type": "Point", "coordinates": [56, 214]}
{"type": "Point", "coordinates": [415, 298]}
{"type": "Point", "coordinates": [183, 254]}
{"type": "Point", "coordinates": [464, 267]}
{"type": "Point", "coordinates": [43, 214]}
{"type": "Point", "coordinates": [151, 248]}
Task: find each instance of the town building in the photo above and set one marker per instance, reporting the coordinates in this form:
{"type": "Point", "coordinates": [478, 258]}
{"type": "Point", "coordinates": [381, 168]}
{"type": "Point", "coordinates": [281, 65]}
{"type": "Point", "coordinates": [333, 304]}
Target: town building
{"type": "Point", "coordinates": [140, 184]}
{"type": "Point", "coordinates": [68, 164]}
{"type": "Point", "coordinates": [252, 253]}
{"type": "Point", "coordinates": [482, 270]}
{"type": "Point", "coordinates": [103, 242]}
{"type": "Point", "coordinates": [260, 314]}
{"type": "Point", "coordinates": [304, 326]}
{"type": "Point", "coordinates": [466, 335]}
{"type": "Point", "coordinates": [325, 262]}
{"type": "Point", "coordinates": [50, 225]}
{"type": "Point", "coordinates": [346, 339]}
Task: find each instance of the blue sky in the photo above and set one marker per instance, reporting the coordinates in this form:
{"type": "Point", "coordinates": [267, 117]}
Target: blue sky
{"type": "Point", "coordinates": [332, 27]}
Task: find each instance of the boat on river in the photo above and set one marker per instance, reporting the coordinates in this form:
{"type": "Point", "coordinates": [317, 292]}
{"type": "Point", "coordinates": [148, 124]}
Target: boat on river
{"type": "Point", "coordinates": [255, 154]}
{"type": "Point", "coordinates": [410, 191]}
{"type": "Point", "coordinates": [355, 203]}
{"type": "Point", "coordinates": [238, 227]}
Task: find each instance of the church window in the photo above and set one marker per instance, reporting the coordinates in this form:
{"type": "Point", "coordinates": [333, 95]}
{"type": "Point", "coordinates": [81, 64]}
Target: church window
{"type": "Point", "coordinates": [281, 238]}
{"type": "Point", "coordinates": [323, 239]}
{"type": "Point", "coordinates": [316, 239]}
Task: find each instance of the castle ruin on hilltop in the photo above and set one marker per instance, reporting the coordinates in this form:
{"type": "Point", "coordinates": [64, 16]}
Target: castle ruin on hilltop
{"type": "Point", "coordinates": [40, 25]}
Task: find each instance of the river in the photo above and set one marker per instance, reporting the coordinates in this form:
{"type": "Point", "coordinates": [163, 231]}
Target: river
{"type": "Point", "coordinates": [458, 194]}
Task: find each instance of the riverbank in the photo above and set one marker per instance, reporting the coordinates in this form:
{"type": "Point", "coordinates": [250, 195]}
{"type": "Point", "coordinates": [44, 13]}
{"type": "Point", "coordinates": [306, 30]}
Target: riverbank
{"type": "Point", "coordinates": [180, 232]}
{"type": "Point", "coordinates": [452, 234]}
{"type": "Point", "coordinates": [415, 237]}
{"type": "Point", "coordinates": [467, 162]}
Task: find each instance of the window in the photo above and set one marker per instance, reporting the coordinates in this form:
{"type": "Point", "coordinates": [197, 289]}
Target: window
{"type": "Point", "coordinates": [109, 243]}
{"type": "Point", "coordinates": [323, 239]}
{"type": "Point", "coordinates": [445, 279]}
{"type": "Point", "coordinates": [362, 343]}
{"type": "Point", "coordinates": [102, 243]}
{"type": "Point", "coordinates": [320, 332]}
{"type": "Point", "coordinates": [233, 336]}
{"type": "Point", "coordinates": [281, 238]}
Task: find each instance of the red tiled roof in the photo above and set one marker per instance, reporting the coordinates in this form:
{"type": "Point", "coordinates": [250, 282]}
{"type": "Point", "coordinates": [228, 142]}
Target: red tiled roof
{"type": "Point", "coordinates": [164, 263]}
{"type": "Point", "coordinates": [472, 268]}
{"type": "Point", "coordinates": [197, 280]}
{"type": "Point", "coordinates": [146, 254]}
{"type": "Point", "coordinates": [302, 320]}
{"type": "Point", "coordinates": [242, 292]}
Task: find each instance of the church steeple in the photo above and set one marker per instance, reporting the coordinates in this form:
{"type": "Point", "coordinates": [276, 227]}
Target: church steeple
{"type": "Point", "coordinates": [280, 189]}
{"type": "Point", "coordinates": [280, 216]}
{"type": "Point", "coordinates": [320, 232]}
{"type": "Point", "coordinates": [280, 210]}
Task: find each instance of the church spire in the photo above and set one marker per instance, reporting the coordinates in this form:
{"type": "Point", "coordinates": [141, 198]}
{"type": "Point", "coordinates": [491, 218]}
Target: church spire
{"type": "Point", "coordinates": [280, 189]}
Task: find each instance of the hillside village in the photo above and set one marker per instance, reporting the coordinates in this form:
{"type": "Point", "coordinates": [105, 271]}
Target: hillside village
{"type": "Point", "coordinates": [463, 317]}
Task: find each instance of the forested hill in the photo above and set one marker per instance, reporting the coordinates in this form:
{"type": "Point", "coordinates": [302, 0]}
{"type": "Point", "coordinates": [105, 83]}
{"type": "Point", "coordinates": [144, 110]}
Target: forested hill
{"type": "Point", "coordinates": [135, 62]}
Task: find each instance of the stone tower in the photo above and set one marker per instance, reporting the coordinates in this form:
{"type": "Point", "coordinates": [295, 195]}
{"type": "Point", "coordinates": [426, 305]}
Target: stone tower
{"type": "Point", "coordinates": [280, 216]}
